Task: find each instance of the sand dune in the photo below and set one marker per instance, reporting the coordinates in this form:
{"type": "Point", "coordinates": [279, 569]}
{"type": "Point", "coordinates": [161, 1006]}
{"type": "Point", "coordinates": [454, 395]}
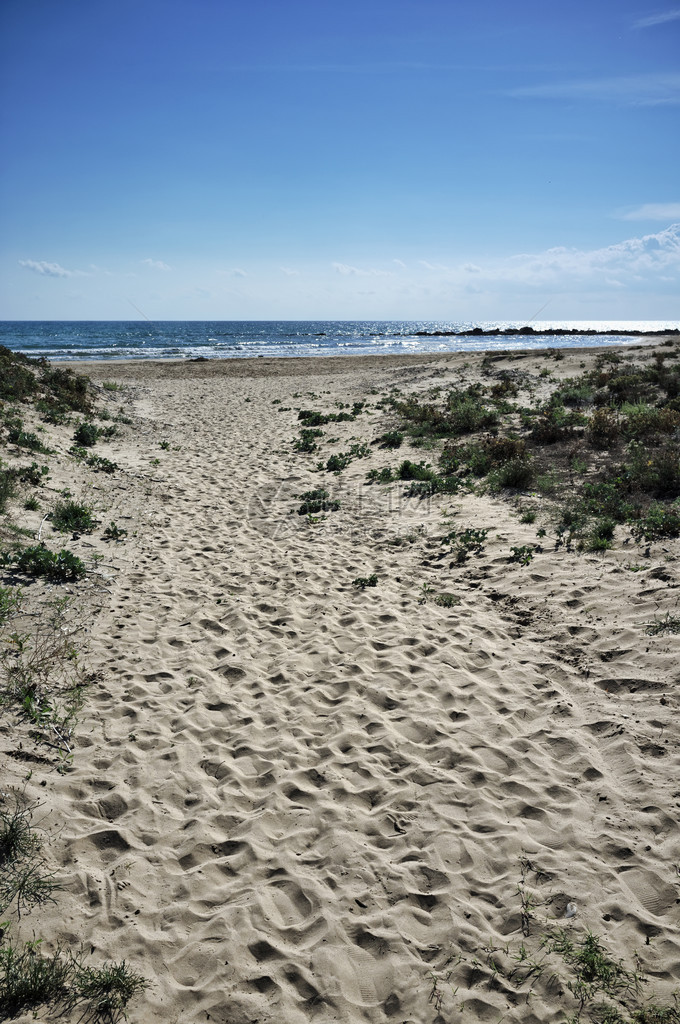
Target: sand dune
{"type": "Point", "coordinates": [295, 800]}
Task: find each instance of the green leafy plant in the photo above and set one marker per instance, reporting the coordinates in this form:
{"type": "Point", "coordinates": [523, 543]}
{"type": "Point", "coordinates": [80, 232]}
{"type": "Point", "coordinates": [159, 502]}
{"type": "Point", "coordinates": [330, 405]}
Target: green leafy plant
{"type": "Point", "coordinates": [523, 554]}
{"type": "Point", "coordinates": [317, 501]}
{"type": "Point", "coordinates": [306, 442]}
{"type": "Point", "coordinates": [365, 581]}
{"type": "Point", "coordinates": [100, 464]}
{"type": "Point", "coordinates": [660, 521]}
{"type": "Point", "coordinates": [25, 439]}
{"type": "Point", "coordinates": [33, 474]}
{"type": "Point", "coordinates": [380, 476]}
{"type": "Point", "coordinates": [38, 560]}
{"type": "Point", "coordinates": [86, 435]}
{"type": "Point", "coordinates": [466, 542]}
{"type": "Point", "coordinates": [115, 533]}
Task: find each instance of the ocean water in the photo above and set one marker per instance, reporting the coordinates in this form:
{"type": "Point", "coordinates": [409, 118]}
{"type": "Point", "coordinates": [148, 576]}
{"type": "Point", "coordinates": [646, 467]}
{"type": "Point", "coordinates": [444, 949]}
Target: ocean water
{"type": "Point", "coordinates": [232, 339]}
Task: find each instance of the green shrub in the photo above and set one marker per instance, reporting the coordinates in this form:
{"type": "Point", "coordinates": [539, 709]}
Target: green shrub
{"type": "Point", "coordinates": [603, 428]}
{"type": "Point", "coordinates": [310, 418]}
{"type": "Point", "coordinates": [97, 462]}
{"type": "Point", "coordinates": [25, 439]}
{"type": "Point", "coordinates": [667, 624]}
{"type": "Point", "coordinates": [40, 561]}
{"type": "Point", "coordinates": [656, 473]}
{"type": "Point", "coordinates": [51, 412]}
{"type": "Point", "coordinates": [644, 420]}
{"type": "Point", "coordinates": [336, 463]}
{"type": "Point", "coordinates": [601, 536]}
{"type": "Point", "coordinates": [415, 471]}
{"type": "Point", "coordinates": [463, 413]}
{"type": "Point", "coordinates": [605, 498]}
{"type": "Point", "coordinates": [554, 424]}
{"type": "Point", "coordinates": [307, 441]}
{"type": "Point", "coordinates": [435, 485]}
{"type": "Point", "coordinates": [68, 516]}
{"type": "Point", "coordinates": [380, 476]}
{"type": "Point", "coordinates": [100, 464]}
{"type": "Point", "coordinates": [17, 378]}
{"type": "Point", "coordinates": [506, 386]}
{"type": "Point", "coordinates": [107, 989]}
{"type": "Point", "coordinates": [317, 501]}
{"type": "Point", "coordinates": [86, 435]}
{"type": "Point", "coordinates": [628, 387]}
{"type": "Point", "coordinates": [391, 439]}
{"type": "Point", "coordinates": [660, 521]}
{"type": "Point", "coordinates": [518, 474]}
{"type": "Point", "coordinates": [467, 414]}
{"type": "Point", "coordinates": [70, 390]}
{"type": "Point", "coordinates": [575, 394]}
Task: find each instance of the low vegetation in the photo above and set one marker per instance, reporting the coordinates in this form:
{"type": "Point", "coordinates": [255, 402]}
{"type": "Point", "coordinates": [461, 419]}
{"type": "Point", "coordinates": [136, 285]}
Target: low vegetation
{"type": "Point", "coordinates": [43, 682]}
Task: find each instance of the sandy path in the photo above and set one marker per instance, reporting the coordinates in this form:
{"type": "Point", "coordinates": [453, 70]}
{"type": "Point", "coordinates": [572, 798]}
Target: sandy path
{"type": "Point", "coordinates": [296, 801]}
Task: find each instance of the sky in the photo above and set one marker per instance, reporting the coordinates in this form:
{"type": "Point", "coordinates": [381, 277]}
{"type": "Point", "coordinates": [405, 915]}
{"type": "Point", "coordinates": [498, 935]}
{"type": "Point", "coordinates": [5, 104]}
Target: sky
{"type": "Point", "coordinates": [339, 159]}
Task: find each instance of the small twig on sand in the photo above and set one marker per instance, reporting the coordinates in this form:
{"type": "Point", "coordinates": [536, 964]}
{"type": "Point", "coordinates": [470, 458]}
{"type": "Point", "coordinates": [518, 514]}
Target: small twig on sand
{"type": "Point", "coordinates": [46, 516]}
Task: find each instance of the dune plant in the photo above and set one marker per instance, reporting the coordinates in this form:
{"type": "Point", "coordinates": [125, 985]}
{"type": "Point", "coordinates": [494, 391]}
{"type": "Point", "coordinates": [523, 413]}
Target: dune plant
{"type": "Point", "coordinates": [38, 560]}
{"type": "Point", "coordinates": [71, 515]}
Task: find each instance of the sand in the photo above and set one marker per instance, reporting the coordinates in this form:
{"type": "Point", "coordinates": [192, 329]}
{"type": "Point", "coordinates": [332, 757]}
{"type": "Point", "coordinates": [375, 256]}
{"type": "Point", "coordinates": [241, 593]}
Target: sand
{"type": "Point", "coordinates": [295, 800]}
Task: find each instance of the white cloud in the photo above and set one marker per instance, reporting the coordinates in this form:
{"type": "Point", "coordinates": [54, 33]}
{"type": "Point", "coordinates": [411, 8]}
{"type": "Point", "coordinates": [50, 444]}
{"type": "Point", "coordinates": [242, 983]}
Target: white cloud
{"type": "Point", "coordinates": [346, 271]}
{"type": "Point", "coordinates": [658, 19]}
{"type": "Point", "coordinates": [633, 261]}
{"type": "Point", "coordinates": [652, 211]}
{"type": "Point", "coordinates": [654, 89]}
{"type": "Point", "coordinates": [434, 266]}
{"type": "Point", "coordinates": [48, 269]}
{"type": "Point", "coordinates": [400, 263]}
{"type": "Point", "coordinates": [472, 268]}
{"type": "Point", "coordinates": [155, 264]}
{"type": "Point", "coordinates": [289, 272]}
{"type": "Point", "coordinates": [237, 272]}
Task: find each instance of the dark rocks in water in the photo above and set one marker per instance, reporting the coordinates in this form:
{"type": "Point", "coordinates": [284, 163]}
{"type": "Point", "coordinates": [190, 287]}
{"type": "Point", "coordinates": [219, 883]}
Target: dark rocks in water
{"type": "Point", "coordinates": [553, 332]}
{"type": "Point", "coordinates": [199, 359]}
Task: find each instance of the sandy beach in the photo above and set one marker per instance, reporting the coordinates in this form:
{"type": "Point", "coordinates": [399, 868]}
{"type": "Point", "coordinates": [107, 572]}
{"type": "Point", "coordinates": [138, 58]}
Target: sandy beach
{"type": "Point", "coordinates": [298, 798]}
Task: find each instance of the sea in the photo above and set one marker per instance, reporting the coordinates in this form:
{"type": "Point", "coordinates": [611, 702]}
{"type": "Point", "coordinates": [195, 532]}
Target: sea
{"type": "Point", "coordinates": [76, 340]}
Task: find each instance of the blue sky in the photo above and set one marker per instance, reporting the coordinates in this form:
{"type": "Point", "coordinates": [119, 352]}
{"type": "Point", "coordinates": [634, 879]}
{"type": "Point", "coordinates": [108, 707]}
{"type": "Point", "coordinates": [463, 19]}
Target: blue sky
{"type": "Point", "coordinates": [416, 159]}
